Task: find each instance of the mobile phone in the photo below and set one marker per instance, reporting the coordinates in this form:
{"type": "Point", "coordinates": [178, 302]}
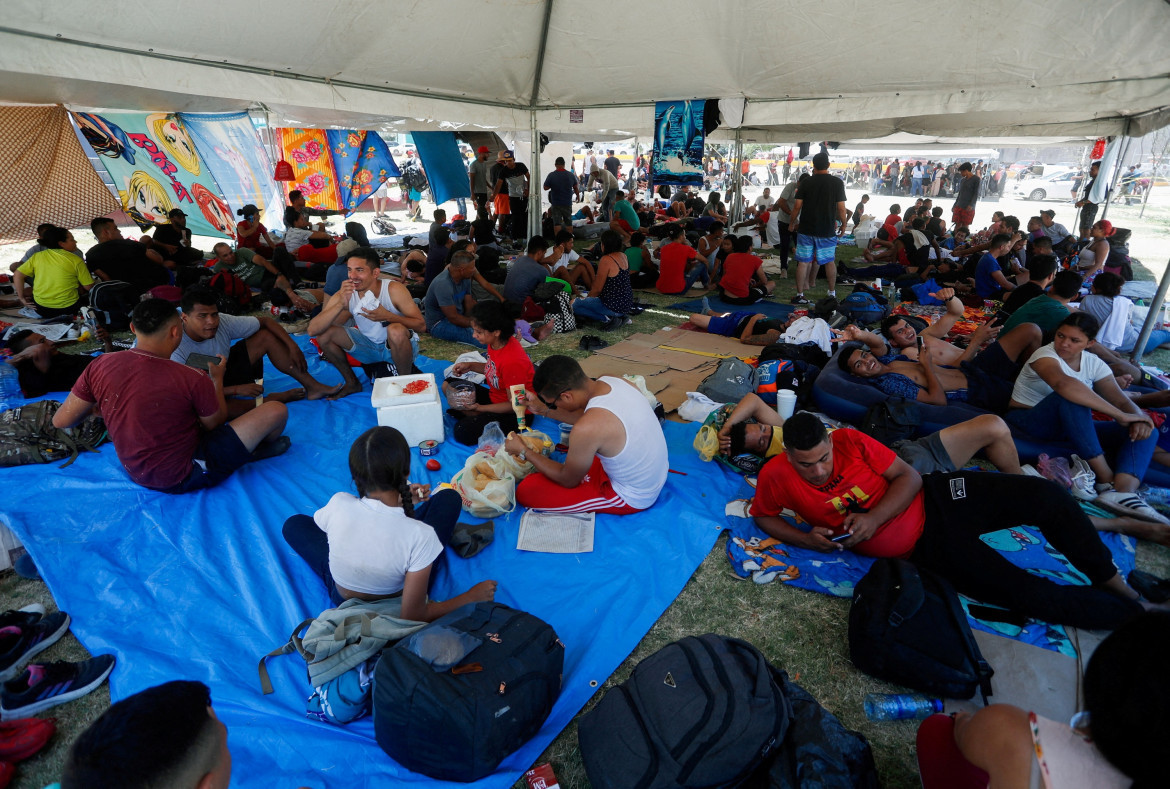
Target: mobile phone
{"type": "Point", "coordinates": [840, 537]}
{"type": "Point", "coordinates": [1000, 318]}
{"type": "Point", "coordinates": [921, 342]}
{"type": "Point", "coordinates": [201, 361]}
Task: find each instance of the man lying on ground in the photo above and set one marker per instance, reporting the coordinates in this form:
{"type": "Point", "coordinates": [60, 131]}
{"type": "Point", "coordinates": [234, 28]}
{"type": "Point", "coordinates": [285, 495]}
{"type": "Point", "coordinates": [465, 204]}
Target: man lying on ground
{"type": "Point", "coordinates": [847, 485]}
{"type": "Point", "coordinates": [168, 421]}
{"type": "Point", "coordinates": [747, 326]}
{"type": "Point", "coordinates": [985, 380]}
{"type": "Point", "coordinates": [370, 318]}
{"type": "Point", "coordinates": [617, 461]}
{"type": "Point", "coordinates": [41, 368]}
{"type": "Point", "coordinates": [207, 332]}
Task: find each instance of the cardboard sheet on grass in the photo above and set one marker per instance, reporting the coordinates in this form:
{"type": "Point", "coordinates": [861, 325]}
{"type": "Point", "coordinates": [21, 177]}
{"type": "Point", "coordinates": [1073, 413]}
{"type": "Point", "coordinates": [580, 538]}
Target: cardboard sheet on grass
{"type": "Point", "coordinates": [836, 574]}
{"type": "Point", "coordinates": [200, 586]}
{"type": "Point", "coordinates": [673, 360]}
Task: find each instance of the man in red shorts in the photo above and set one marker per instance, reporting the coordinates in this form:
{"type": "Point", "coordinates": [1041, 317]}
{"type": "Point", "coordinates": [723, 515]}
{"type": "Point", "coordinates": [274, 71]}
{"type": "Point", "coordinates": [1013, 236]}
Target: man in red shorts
{"type": "Point", "coordinates": [963, 211]}
{"type": "Point", "coordinates": [617, 460]}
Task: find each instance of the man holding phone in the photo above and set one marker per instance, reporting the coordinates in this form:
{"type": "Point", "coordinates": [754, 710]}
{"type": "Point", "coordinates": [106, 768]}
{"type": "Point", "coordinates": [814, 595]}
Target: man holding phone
{"type": "Point", "coordinates": [243, 341]}
{"type": "Point", "coordinates": [848, 486]}
{"type": "Point", "coordinates": [168, 421]}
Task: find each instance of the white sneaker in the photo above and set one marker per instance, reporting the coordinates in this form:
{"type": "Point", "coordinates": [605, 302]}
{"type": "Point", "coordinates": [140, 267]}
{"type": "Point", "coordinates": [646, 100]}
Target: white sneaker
{"type": "Point", "coordinates": [1130, 504]}
{"type": "Point", "coordinates": [1030, 471]}
{"type": "Point", "coordinates": [1084, 479]}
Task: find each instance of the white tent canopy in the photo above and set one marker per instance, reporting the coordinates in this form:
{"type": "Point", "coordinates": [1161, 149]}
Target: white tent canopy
{"type": "Point", "coordinates": [1048, 69]}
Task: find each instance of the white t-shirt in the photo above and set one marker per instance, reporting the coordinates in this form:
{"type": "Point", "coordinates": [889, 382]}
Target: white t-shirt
{"type": "Point", "coordinates": [295, 238]}
{"type": "Point", "coordinates": [231, 328]}
{"type": "Point", "coordinates": [372, 546]}
{"type": "Point", "coordinates": [1030, 388]}
{"type": "Point", "coordinates": [567, 260]}
{"type": "Point", "coordinates": [788, 193]}
{"type": "Point", "coordinates": [764, 202]}
{"type": "Point", "coordinates": [374, 330]}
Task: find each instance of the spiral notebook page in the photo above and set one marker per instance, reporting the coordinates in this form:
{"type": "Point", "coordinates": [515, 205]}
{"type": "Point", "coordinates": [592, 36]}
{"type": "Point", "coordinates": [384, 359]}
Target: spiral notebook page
{"type": "Point", "coordinates": [556, 532]}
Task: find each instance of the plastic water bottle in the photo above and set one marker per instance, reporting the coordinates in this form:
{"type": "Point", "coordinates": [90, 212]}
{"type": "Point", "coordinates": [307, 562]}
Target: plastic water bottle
{"type": "Point", "coordinates": [9, 386]}
{"type": "Point", "coordinates": [900, 706]}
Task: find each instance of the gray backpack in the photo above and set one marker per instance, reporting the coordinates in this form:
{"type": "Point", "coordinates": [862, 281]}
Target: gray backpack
{"type": "Point", "coordinates": [732, 379]}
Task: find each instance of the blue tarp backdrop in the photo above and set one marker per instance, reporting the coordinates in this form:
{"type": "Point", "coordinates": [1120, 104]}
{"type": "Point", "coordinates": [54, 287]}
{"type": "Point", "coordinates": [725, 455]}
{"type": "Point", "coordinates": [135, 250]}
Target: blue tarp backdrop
{"type": "Point", "coordinates": [201, 586]}
{"type": "Point", "coordinates": [446, 170]}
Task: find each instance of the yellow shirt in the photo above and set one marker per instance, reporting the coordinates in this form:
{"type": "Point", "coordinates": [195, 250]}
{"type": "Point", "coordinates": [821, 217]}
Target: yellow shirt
{"type": "Point", "coordinates": [57, 273]}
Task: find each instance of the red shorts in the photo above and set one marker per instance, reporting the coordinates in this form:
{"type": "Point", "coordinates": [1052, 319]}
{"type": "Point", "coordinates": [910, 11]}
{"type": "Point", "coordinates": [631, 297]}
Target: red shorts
{"type": "Point", "coordinates": [502, 206]}
{"type": "Point", "coordinates": [311, 254]}
{"type": "Point", "coordinates": [594, 494]}
{"type": "Point", "coordinates": [963, 216]}
{"type": "Point", "coordinates": [624, 225]}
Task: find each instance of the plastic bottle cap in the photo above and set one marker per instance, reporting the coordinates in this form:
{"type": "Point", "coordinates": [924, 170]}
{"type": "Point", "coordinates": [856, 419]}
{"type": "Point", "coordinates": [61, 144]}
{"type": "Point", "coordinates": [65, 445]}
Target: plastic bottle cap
{"type": "Point", "coordinates": [938, 704]}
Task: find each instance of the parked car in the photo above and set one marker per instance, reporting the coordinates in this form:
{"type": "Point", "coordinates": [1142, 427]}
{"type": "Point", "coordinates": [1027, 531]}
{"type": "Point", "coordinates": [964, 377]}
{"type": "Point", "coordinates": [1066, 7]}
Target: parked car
{"type": "Point", "coordinates": [1051, 186]}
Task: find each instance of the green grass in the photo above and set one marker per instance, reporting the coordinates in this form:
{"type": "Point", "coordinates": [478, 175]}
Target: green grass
{"type": "Point", "coordinates": [802, 632]}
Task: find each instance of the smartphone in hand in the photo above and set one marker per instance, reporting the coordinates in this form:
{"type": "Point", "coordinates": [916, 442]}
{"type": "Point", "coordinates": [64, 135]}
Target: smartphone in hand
{"type": "Point", "coordinates": [201, 361]}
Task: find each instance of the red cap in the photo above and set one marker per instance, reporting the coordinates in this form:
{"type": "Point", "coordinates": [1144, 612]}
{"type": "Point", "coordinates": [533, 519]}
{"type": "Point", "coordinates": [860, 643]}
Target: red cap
{"type": "Point", "coordinates": [482, 149]}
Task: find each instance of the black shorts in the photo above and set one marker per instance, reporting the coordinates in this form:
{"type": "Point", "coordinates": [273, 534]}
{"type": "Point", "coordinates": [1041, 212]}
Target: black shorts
{"type": "Point", "coordinates": [991, 376]}
{"type": "Point", "coordinates": [220, 452]}
{"type": "Point", "coordinates": [1088, 216]}
{"type": "Point", "coordinates": [240, 369]}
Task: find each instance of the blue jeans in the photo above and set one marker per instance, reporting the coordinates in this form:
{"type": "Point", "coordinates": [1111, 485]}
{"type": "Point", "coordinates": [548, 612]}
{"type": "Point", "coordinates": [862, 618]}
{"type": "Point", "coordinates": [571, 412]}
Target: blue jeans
{"type": "Point", "coordinates": [461, 205]}
{"type": "Point", "coordinates": [607, 204]}
{"type": "Point", "coordinates": [1158, 338]}
{"type": "Point", "coordinates": [915, 187]}
{"type": "Point", "coordinates": [445, 330]}
{"type": "Point", "coordinates": [305, 537]}
{"type": "Point", "coordinates": [593, 309]}
{"type": "Point", "coordinates": [1055, 418]}
{"type": "Point", "coordinates": [699, 272]}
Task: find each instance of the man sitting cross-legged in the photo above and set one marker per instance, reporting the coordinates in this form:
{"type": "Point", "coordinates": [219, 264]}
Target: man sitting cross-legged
{"type": "Point", "coordinates": [168, 421]}
{"type": "Point", "coordinates": [371, 319]}
{"type": "Point", "coordinates": [617, 459]}
{"type": "Point", "coordinates": [848, 485]}
{"type": "Point", "coordinates": [207, 332]}
{"type": "Point", "coordinates": [984, 380]}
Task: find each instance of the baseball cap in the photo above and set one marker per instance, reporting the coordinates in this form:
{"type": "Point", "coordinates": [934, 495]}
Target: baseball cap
{"type": "Point", "coordinates": [482, 149]}
{"type": "Point", "coordinates": [346, 246]}
{"type": "Point", "coordinates": [176, 212]}
{"type": "Point", "coordinates": [506, 156]}
{"type": "Point", "coordinates": [248, 210]}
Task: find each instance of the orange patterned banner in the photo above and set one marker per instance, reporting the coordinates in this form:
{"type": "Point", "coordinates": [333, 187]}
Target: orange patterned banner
{"type": "Point", "coordinates": [308, 152]}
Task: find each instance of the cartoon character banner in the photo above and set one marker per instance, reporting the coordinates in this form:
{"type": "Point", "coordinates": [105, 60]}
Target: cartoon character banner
{"type": "Point", "coordinates": [155, 166]}
{"type": "Point", "coordinates": [229, 145]}
{"type": "Point", "coordinates": [362, 162]}
{"type": "Point", "coordinates": [309, 153]}
{"type": "Point", "coordinates": [678, 143]}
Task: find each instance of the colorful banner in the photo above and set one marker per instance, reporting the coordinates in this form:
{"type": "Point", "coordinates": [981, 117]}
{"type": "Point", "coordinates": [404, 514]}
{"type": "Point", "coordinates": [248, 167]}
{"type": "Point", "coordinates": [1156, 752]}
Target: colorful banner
{"type": "Point", "coordinates": [678, 143]}
{"type": "Point", "coordinates": [308, 152]}
{"type": "Point", "coordinates": [229, 145]}
{"type": "Point", "coordinates": [155, 166]}
{"type": "Point", "coordinates": [362, 162]}
{"type": "Point", "coordinates": [444, 164]}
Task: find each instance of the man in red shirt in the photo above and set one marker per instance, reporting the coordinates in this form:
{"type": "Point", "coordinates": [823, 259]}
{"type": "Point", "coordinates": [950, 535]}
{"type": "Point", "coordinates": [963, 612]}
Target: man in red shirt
{"type": "Point", "coordinates": [167, 420]}
{"type": "Point", "coordinates": [852, 492]}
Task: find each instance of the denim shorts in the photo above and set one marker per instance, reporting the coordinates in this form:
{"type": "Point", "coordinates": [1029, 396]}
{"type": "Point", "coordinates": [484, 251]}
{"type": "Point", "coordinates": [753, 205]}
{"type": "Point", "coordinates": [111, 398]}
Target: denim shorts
{"type": "Point", "coordinates": [367, 351]}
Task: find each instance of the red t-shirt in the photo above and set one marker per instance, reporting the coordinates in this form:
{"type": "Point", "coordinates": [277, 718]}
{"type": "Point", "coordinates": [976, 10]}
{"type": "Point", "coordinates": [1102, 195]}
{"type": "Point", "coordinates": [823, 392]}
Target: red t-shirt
{"type": "Point", "coordinates": [858, 464]}
{"type": "Point", "coordinates": [152, 407]}
{"type": "Point", "coordinates": [252, 241]}
{"type": "Point", "coordinates": [507, 367]}
{"type": "Point", "coordinates": [672, 266]}
{"type": "Point", "coordinates": [738, 270]}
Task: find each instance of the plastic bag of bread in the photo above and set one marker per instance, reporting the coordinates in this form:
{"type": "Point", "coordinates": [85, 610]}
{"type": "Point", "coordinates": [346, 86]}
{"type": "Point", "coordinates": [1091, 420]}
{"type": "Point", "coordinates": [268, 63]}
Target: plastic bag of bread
{"type": "Point", "coordinates": [534, 441]}
{"type": "Point", "coordinates": [487, 487]}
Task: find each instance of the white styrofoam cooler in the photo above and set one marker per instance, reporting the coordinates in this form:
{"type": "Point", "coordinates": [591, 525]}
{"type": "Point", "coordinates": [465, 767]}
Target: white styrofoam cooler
{"type": "Point", "coordinates": [418, 417]}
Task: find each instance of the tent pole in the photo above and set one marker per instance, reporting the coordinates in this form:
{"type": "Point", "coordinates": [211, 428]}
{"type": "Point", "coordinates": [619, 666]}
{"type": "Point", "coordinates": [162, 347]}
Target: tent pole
{"type": "Point", "coordinates": [1117, 173]}
{"type": "Point", "coordinates": [534, 180]}
{"type": "Point", "coordinates": [1153, 317]}
{"type": "Point", "coordinates": [1153, 178]}
{"type": "Point", "coordinates": [737, 180]}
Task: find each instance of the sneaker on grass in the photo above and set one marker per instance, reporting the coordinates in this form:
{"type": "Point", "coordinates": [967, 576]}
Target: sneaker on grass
{"type": "Point", "coordinates": [1130, 504]}
{"type": "Point", "coordinates": [799, 299]}
{"type": "Point", "coordinates": [24, 634]}
{"type": "Point", "coordinates": [42, 686]}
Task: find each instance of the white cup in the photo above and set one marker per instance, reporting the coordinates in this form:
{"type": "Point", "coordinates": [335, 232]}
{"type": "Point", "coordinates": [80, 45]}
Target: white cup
{"type": "Point", "coordinates": [785, 403]}
{"type": "Point", "coordinates": [877, 283]}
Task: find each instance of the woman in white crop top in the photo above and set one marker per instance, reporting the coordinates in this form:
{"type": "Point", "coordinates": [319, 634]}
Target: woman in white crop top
{"type": "Point", "coordinates": [384, 541]}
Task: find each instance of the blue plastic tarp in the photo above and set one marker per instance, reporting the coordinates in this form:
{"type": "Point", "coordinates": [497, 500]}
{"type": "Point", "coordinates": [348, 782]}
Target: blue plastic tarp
{"type": "Point", "coordinates": [201, 586]}
{"type": "Point", "coordinates": [444, 165]}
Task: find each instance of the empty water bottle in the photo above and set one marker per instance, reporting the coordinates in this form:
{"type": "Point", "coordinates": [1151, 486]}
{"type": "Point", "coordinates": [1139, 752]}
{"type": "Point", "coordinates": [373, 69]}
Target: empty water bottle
{"type": "Point", "coordinates": [9, 386]}
{"type": "Point", "coordinates": [900, 706]}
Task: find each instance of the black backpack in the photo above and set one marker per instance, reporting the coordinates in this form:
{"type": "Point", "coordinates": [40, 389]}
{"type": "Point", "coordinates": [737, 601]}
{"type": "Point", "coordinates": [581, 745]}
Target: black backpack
{"type": "Point", "coordinates": [803, 352]}
{"type": "Point", "coordinates": [891, 421]}
{"type": "Point", "coordinates": [906, 625]}
{"type": "Point", "coordinates": [382, 226]}
{"type": "Point", "coordinates": [113, 301]}
{"type": "Point", "coordinates": [488, 683]}
{"type": "Point", "coordinates": [704, 711]}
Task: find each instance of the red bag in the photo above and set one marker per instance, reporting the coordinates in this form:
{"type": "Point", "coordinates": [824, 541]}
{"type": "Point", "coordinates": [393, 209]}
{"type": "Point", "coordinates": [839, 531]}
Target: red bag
{"type": "Point", "coordinates": [235, 295]}
{"type": "Point", "coordinates": [531, 311]}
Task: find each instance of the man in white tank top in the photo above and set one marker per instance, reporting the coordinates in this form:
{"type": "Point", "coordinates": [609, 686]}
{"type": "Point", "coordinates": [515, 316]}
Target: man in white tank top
{"type": "Point", "coordinates": [617, 460]}
{"type": "Point", "coordinates": [371, 319]}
